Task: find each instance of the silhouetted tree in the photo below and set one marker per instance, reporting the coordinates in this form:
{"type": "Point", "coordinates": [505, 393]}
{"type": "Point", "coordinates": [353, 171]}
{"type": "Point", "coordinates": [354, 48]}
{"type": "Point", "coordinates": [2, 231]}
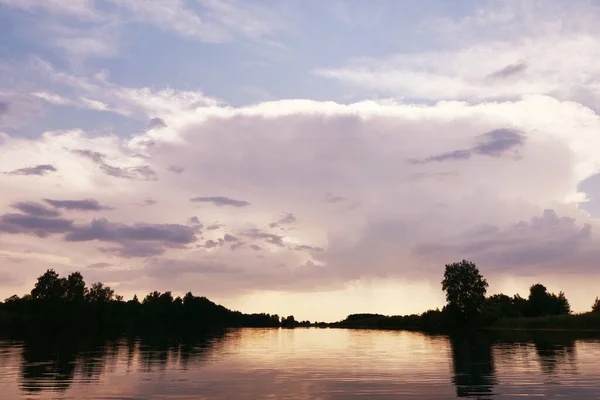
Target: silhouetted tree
{"type": "Point", "coordinates": [543, 303]}
{"type": "Point", "coordinates": [49, 287]}
{"type": "Point", "coordinates": [288, 322]}
{"type": "Point", "coordinates": [67, 306]}
{"type": "Point", "coordinates": [99, 293]}
{"type": "Point", "coordinates": [465, 290]}
{"type": "Point", "coordinates": [562, 305]}
{"type": "Point", "coordinates": [538, 300]}
{"type": "Point", "coordinates": [76, 291]}
{"type": "Point", "coordinates": [596, 306]}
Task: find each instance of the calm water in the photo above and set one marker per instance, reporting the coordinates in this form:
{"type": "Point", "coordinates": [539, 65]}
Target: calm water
{"type": "Point", "coordinates": [304, 364]}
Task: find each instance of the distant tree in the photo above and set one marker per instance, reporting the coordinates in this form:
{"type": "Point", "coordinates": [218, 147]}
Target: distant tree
{"type": "Point", "coordinates": [596, 306]}
{"type": "Point", "coordinates": [538, 300]}
{"type": "Point", "coordinates": [499, 306]}
{"type": "Point", "coordinates": [542, 303]}
{"type": "Point", "coordinates": [12, 299]}
{"type": "Point", "coordinates": [188, 298]}
{"type": "Point", "coordinates": [166, 299]}
{"type": "Point", "coordinates": [465, 290]}
{"type": "Point", "coordinates": [99, 293]}
{"type": "Point", "coordinates": [152, 298]}
{"type": "Point", "coordinates": [49, 287]}
{"type": "Point", "coordinates": [521, 305]}
{"type": "Point", "coordinates": [288, 322]}
{"type": "Point", "coordinates": [76, 290]}
{"type": "Point", "coordinates": [178, 302]}
{"type": "Point", "coordinates": [135, 299]}
{"type": "Point", "coordinates": [562, 305]}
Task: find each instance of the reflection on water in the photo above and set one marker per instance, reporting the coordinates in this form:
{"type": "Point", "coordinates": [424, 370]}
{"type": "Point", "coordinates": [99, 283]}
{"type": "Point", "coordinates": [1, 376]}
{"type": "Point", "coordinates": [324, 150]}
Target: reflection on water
{"type": "Point", "coordinates": [304, 364]}
{"type": "Point", "coordinates": [473, 365]}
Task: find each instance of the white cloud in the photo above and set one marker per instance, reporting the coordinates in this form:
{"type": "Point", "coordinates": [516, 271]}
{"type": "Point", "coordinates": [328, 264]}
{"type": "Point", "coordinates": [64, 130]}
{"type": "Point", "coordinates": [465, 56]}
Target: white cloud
{"type": "Point", "coordinates": [214, 21]}
{"type": "Point", "coordinates": [102, 95]}
{"type": "Point", "coordinates": [58, 22]}
{"type": "Point", "coordinates": [83, 9]}
{"type": "Point", "coordinates": [302, 195]}
{"type": "Point", "coordinates": [502, 53]}
{"type": "Point", "coordinates": [291, 157]}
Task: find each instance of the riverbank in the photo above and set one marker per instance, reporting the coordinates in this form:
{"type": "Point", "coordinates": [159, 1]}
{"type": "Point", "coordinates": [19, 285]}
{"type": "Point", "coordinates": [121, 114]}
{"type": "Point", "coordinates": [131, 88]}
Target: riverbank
{"type": "Point", "coordinates": [436, 321]}
{"type": "Point", "coordinates": [570, 322]}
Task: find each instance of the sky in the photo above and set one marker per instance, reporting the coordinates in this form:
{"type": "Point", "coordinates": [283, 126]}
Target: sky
{"type": "Point", "coordinates": [301, 157]}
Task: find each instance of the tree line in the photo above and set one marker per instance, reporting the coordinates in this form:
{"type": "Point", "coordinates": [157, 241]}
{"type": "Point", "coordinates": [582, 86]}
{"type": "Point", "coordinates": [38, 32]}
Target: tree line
{"type": "Point", "coordinates": [56, 304]}
{"type": "Point", "coordinates": [67, 304]}
{"type": "Point", "coordinates": [468, 306]}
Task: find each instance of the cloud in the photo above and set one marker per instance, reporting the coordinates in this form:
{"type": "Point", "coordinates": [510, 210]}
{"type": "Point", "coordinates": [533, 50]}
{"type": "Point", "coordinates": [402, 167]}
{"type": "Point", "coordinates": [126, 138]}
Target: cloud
{"type": "Point", "coordinates": [216, 22]}
{"type": "Point", "coordinates": [221, 201]}
{"type": "Point", "coordinates": [211, 244]}
{"type": "Point", "coordinates": [499, 141]}
{"type": "Point", "coordinates": [541, 244]}
{"type": "Point", "coordinates": [100, 94]}
{"type": "Point", "coordinates": [3, 108]}
{"type": "Point", "coordinates": [31, 224]}
{"type": "Point", "coordinates": [99, 265]}
{"type": "Point", "coordinates": [156, 123]}
{"type": "Point", "coordinates": [38, 170]}
{"type": "Point", "coordinates": [17, 107]}
{"type": "Point", "coordinates": [35, 209]}
{"type": "Point", "coordinates": [509, 71]}
{"type": "Point", "coordinates": [148, 202]}
{"type": "Point", "coordinates": [130, 249]}
{"type": "Point", "coordinates": [101, 229]}
{"type": "Point", "coordinates": [503, 50]}
{"type": "Point", "coordinates": [304, 247]}
{"type": "Point", "coordinates": [229, 238]}
{"type": "Point", "coordinates": [80, 205]}
{"type": "Point", "coordinates": [287, 155]}
{"type": "Point", "coordinates": [334, 199]}
{"type": "Point", "coordinates": [83, 9]}
{"type": "Point", "coordinates": [142, 172]}
{"type": "Point", "coordinates": [494, 144]}
{"type": "Point", "coordinates": [267, 237]}
{"type": "Point", "coordinates": [289, 218]}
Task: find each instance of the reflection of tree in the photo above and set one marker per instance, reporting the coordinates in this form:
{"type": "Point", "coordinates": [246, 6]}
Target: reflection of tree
{"type": "Point", "coordinates": [52, 365]}
{"type": "Point", "coordinates": [196, 348]}
{"type": "Point", "coordinates": [158, 352]}
{"type": "Point", "coordinates": [473, 364]}
{"type": "Point", "coordinates": [554, 350]}
{"type": "Point", "coordinates": [47, 365]}
{"type": "Point", "coordinates": [91, 359]}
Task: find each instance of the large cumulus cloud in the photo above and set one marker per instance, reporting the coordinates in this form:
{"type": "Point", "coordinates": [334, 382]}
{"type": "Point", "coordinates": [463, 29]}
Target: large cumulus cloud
{"type": "Point", "coordinates": [303, 195]}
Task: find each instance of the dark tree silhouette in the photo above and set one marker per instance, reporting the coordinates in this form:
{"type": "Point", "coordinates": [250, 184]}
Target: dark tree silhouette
{"type": "Point", "coordinates": [596, 306]}
{"type": "Point", "coordinates": [99, 293]}
{"type": "Point", "coordinates": [288, 322]}
{"type": "Point", "coordinates": [543, 303]}
{"type": "Point", "coordinates": [66, 305]}
{"type": "Point", "coordinates": [76, 291]}
{"type": "Point", "coordinates": [465, 290]}
{"type": "Point", "coordinates": [49, 287]}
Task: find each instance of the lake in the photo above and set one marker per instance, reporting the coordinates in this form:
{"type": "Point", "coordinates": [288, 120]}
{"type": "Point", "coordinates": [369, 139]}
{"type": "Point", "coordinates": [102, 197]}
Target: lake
{"type": "Point", "coordinates": [305, 364]}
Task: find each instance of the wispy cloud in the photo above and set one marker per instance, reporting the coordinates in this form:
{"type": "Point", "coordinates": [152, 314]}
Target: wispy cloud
{"type": "Point", "coordinates": [80, 205]}
{"type": "Point", "coordinates": [38, 170]}
{"type": "Point", "coordinates": [221, 201]}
